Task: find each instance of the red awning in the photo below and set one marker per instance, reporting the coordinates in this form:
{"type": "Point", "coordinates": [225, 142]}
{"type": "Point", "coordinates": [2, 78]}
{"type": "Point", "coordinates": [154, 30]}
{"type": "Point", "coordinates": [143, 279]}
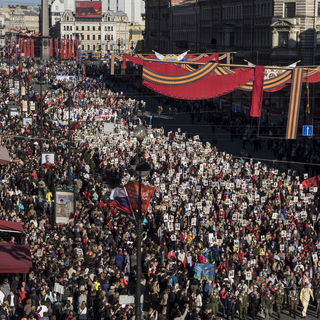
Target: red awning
{"type": "Point", "coordinates": [15, 258]}
{"type": "Point", "coordinates": [11, 226]}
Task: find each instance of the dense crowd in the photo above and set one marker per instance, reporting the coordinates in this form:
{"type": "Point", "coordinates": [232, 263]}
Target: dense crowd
{"type": "Point", "coordinates": [256, 225]}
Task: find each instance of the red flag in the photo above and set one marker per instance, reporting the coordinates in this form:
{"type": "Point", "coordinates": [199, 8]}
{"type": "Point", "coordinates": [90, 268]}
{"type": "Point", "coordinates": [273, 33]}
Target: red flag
{"type": "Point", "coordinates": [25, 48]}
{"type": "Point", "coordinates": [32, 48]}
{"type": "Point", "coordinates": [74, 125]}
{"type": "Point", "coordinates": [45, 95]}
{"type": "Point", "coordinates": [124, 62]}
{"type": "Point", "coordinates": [80, 95]}
{"type": "Point", "coordinates": [56, 47]}
{"type": "Point", "coordinates": [71, 49]}
{"type": "Point", "coordinates": [257, 92]}
{"type": "Point", "coordinates": [51, 48]}
{"type": "Point", "coordinates": [29, 77]}
{"type": "Point", "coordinates": [62, 49]}
{"type": "Point", "coordinates": [29, 47]}
{"type": "Point", "coordinates": [147, 192]}
{"type": "Point", "coordinates": [311, 182]}
{"type": "Point", "coordinates": [223, 265]}
{"type": "Point", "coordinates": [75, 48]}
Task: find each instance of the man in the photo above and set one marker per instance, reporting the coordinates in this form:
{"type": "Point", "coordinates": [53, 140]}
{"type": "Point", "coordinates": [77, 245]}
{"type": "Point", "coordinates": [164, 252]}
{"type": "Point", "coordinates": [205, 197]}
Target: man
{"type": "Point", "coordinates": [268, 303]}
{"type": "Point", "coordinates": [280, 299]}
{"type": "Point", "coordinates": [254, 301]}
{"type": "Point", "coordinates": [293, 300]}
{"type": "Point", "coordinates": [243, 299]}
{"type": "Point", "coordinates": [230, 304]}
{"type": "Point", "coordinates": [214, 302]}
{"type": "Point", "coordinates": [305, 294]}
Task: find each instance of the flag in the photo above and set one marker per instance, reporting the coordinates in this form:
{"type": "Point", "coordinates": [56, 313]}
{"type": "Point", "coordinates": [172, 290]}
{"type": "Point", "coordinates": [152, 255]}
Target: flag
{"type": "Point", "coordinates": [205, 271]}
{"type": "Point", "coordinates": [50, 103]}
{"type": "Point", "coordinates": [311, 182]}
{"type": "Point", "coordinates": [120, 200]}
{"type": "Point", "coordinates": [147, 192]}
{"type": "Point", "coordinates": [62, 127]}
{"type": "Point", "coordinates": [212, 254]}
{"type": "Point", "coordinates": [45, 95]}
{"type": "Point", "coordinates": [74, 125]}
{"type": "Point", "coordinates": [223, 265]}
{"type": "Point", "coordinates": [33, 96]}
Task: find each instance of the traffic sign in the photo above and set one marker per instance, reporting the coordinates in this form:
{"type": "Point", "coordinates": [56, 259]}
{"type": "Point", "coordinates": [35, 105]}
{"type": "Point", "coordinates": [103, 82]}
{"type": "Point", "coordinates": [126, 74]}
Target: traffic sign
{"type": "Point", "coordinates": [307, 130]}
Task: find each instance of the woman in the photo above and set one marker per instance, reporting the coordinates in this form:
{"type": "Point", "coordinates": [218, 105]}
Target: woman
{"type": "Point", "coordinates": [83, 311]}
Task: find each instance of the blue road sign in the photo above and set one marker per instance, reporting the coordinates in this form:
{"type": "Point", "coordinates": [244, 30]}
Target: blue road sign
{"type": "Point", "coordinates": [307, 130]}
{"type": "Point", "coordinates": [235, 109]}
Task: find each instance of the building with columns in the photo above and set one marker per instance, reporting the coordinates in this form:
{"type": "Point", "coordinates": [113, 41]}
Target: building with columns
{"type": "Point", "coordinates": [263, 31]}
{"type": "Point", "coordinates": [110, 32]}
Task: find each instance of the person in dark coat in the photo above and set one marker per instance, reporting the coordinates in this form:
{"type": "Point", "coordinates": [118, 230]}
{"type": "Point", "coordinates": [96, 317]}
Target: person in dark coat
{"type": "Point", "coordinates": [230, 304]}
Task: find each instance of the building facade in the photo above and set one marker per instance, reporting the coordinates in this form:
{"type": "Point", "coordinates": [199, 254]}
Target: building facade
{"type": "Point", "coordinates": [263, 31]}
{"type": "Point", "coordinates": [111, 32]}
{"type": "Point", "coordinates": [134, 9]}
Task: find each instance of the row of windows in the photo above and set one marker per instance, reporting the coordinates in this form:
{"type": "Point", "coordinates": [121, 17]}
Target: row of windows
{"type": "Point", "coordinates": [91, 28]}
{"type": "Point", "coordinates": [94, 47]}
{"type": "Point", "coordinates": [185, 19]}
{"type": "Point", "coordinates": [262, 10]}
{"type": "Point", "coordinates": [185, 35]}
{"type": "Point", "coordinates": [90, 37]}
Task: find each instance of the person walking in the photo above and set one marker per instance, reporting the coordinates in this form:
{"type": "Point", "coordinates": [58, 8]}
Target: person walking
{"type": "Point", "coordinates": [280, 298]}
{"type": "Point", "coordinates": [293, 300]}
{"type": "Point", "coordinates": [230, 304]}
{"type": "Point", "coordinates": [243, 299]}
{"type": "Point", "coordinates": [305, 295]}
{"type": "Point", "coordinates": [268, 303]}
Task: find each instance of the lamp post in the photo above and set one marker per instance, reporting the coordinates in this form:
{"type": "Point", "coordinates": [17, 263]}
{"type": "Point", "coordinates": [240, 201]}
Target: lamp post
{"type": "Point", "coordinates": [28, 66]}
{"type": "Point", "coordinates": [143, 170]}
{"type": "Point", "coordinates": [41, 82]}
{"type": "Point", "coordinates": [69, 105]}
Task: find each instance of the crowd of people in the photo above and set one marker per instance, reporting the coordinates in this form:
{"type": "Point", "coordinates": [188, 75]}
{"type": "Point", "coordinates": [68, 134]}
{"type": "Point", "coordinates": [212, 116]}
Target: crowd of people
{"type": "Point", "coordinates": [256, 225]}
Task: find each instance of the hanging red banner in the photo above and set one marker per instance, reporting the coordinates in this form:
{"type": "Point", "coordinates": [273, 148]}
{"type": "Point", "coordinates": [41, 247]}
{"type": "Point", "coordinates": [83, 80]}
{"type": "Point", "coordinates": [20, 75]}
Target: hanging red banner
{"type": "Point", "coordinates": [75, 48]}
{"type": "Point", "coordinates": [29, 47]}
{"type": "Point", "coordinates": [70, 49]}
{"type": "Point", "coordinates": [25, 48]}
{"type": "Point", "coordinates": [56, 47]}
{"type": "Point", "coordinates": [62, 49]}
{"type": "Point", "coordinates": [32, 48]}
{"type": "Point", "coordinates": [67, 49]}
{"type": "Point", "coordinates": [51, 48]}
{"type": "Point", "coordinates": [257, 92]}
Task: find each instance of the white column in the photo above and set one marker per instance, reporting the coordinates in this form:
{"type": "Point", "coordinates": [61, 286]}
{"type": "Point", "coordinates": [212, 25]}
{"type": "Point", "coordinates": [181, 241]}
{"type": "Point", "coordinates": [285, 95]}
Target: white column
{"type": "Point", "coordinates": [275, 41]}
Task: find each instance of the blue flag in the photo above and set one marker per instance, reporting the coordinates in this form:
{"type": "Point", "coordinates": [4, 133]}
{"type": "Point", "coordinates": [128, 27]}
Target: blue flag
{"type": "Point", "coordinates": [204, 271]}
{"type": "Point", "coordinates": [212, 254]}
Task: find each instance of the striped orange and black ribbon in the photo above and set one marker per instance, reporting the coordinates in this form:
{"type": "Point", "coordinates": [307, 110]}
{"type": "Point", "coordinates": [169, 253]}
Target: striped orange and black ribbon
{"type": "Point", "coordinates": [294, 105]}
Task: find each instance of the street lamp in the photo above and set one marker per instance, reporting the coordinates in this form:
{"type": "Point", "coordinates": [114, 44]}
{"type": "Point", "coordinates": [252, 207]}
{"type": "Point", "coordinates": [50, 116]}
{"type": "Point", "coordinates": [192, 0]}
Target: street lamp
{"type": "Point", "coordinates": [28, 66]}
{"type": "Point", "coordinates": [41, 81]}
{"type": "Point", "coordinates": [69, 105]}
{"type": "Point", "coordinates": [143, 170]}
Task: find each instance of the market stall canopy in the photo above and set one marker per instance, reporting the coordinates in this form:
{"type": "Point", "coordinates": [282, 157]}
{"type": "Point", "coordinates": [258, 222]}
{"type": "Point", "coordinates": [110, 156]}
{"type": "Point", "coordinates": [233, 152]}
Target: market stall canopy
{"type": "Point", "coordinates": [11, 226]}
{"type": "Point", "coordinates": [4, 156]}
{"type": "Point", "coordinates": [15, 258]}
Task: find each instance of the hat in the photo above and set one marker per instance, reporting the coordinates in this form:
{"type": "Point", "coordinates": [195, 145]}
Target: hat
{"type": "Point", "coordinates": [242, 289]}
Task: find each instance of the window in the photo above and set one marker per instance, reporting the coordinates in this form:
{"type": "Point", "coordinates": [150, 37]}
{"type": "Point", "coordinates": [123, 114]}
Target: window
{"type": "Point", "coordinates": [105, 28]}
{"type": "Point", "coordinates": [99, 28]}
{"type": "Point", "coordinates": [108, 19]}
{"type": "Point", "coordinates": [231, 39]}
{"type": "Point", "coordinates": [82, 47]}
{"type": "Point", "coordinates": [70, 28]}
{"type": "Point", "coordinates": [94, 28]}
{"type": "Point", "coordinates": [318, 39]}
{"type": "Point", "coordinates": [106, 48]}
{"type": "Point", "coordinates": [283, 39]}
{"type": "Point", "coordinates": [82, 37]}
{"type": "Point", "coordinates": [319, 9]}
{"type": "Point", "coordinates": [290, 10]}
{"type": "Point", "coordinates": [64, 28]}
{"type": "Point", "coordinates": [111, 28]}
{"type": "Point", "coordinates": [108, 37]}
{"type": "Point", "coordinates": [99, 37]}
{"type": "Point", "coordinates": [77, 28]}
{"type": "Point", "coordinates": [88, 46]}
{"type": "Point", "coordinates": [93, 37]}
{"type": "Point", "coordinates": [67, 36]}
{"type": "Point", "coordinates": [88, 36]}
{"type": "Point", "coordinates": [88, 28]}
{"type": "Point", "coordinates": [70, 36]}
{"type": "Point", "coordinates": [105, 37]}
{"type": "Point", "coordinates": [111, 37]}
{"type": "Point", "coordinates": [93, 47]}
{"type": "Point", "coordinates": [82, 28]}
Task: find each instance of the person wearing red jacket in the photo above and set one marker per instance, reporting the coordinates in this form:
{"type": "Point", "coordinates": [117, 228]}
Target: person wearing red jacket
{"type": "Point", "coordinates": [188, 263]}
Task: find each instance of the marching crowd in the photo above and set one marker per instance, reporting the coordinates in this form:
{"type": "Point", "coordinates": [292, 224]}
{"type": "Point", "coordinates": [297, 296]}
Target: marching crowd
{"type": "Point", "coordinates": [256, 226]}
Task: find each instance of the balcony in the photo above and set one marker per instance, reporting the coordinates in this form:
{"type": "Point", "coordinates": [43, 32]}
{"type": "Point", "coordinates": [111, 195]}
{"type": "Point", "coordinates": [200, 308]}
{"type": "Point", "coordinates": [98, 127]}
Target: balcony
{"type": "Point", "coordinates": [1, 26]}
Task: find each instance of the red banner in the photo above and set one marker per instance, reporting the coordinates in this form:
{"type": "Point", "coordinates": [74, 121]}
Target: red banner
{"type": "Point", "coordinates": [56, 47]}
{"type": "Point", "coordinates": [29, 47]}
{"type": "Point", "coordinates": [124, 62]}
{"type": "Point", "coordinates": [311, 182]}
{"type": "Point", "coordinates": [32, 48]}
{"type": "Point", "coordinates": [88, 9]}
{"type": "Point", "coordinates": [147, 192]}
{"type": "Point", "coordinates": [25, 48]}
{"type": "Point", "coordinates": [62, 49]}
{"type": "Point", "coordinates": [257, 92]}
{"type": "Point", "coordinates": [71, 49]}
{"type": "Point", "coordinates": [75, 48]}
{"type": "Point", "coordinates": [51, 48]}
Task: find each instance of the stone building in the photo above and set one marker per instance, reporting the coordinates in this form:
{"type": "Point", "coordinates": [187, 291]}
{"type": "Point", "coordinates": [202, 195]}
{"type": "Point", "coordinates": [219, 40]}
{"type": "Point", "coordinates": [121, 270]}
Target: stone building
{"type": "Point", "coordinates": [263, 31]}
